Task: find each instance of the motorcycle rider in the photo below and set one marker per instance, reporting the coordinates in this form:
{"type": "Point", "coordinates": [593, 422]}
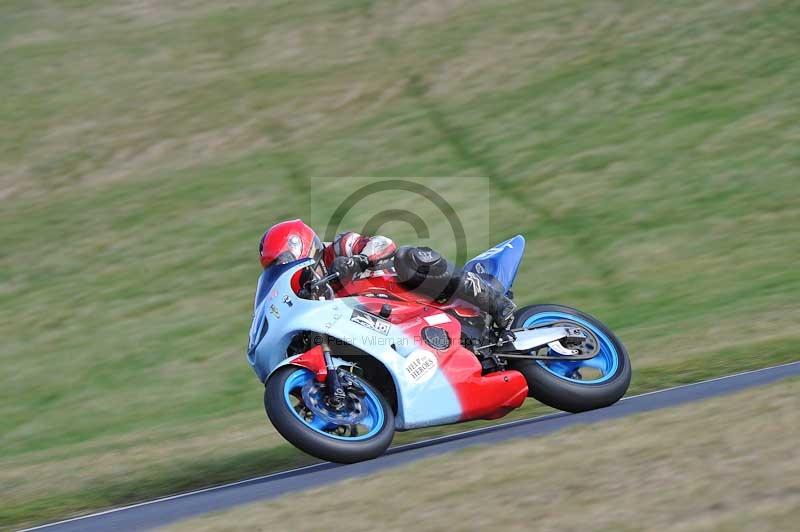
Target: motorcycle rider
{"type": "Point", "coordinates": [421, 269]}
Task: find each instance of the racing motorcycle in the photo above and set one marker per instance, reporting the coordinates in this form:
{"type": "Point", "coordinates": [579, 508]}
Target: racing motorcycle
{"type": "Point", "coordinates": [346, 367]}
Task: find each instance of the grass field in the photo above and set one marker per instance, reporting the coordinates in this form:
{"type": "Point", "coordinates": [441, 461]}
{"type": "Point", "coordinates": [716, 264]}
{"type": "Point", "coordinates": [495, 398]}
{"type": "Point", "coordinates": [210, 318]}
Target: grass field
{"type": "Point", "coordinates": [728, 464]}
{"type": "Point", "coordinates": [648, 151]}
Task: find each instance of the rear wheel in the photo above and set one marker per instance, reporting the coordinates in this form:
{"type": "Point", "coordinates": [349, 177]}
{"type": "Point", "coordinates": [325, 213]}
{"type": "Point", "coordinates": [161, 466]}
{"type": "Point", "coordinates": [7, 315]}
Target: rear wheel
{"type": "Point", "coordinates": [360, 428]}
{"type": "Point", "coordinates": [575, 385]}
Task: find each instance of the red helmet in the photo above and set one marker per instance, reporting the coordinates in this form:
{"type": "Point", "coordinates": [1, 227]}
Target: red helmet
{"type": "Point", "coordinates": [289, 241]}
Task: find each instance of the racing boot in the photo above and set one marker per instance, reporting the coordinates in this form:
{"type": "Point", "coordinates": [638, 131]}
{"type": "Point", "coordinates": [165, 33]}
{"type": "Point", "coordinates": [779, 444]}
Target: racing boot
{"type": "Point", "coordinates": [487, 297]}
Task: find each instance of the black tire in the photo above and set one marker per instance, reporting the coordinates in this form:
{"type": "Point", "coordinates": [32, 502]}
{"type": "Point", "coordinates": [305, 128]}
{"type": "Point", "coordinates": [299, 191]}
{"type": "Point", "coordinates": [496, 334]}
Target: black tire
{"type": "Point", "coordinates": [563, 394]}
{"type": "Point", "coordinates": [312, 442]}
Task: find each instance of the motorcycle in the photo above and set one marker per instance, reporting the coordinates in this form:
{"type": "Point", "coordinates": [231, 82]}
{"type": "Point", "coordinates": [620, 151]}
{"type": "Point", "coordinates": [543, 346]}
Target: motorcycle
{"type": "Point", "coordinates": [345, 368]}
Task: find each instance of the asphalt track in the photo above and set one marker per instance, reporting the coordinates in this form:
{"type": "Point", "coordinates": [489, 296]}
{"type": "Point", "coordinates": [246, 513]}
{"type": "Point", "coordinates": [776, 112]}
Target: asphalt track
{"type": "Point", "coordinates": [167, 510]}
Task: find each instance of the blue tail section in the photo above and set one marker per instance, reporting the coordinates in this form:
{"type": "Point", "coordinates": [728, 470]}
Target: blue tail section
{"type": "Point", "coordinates": [501, 262]}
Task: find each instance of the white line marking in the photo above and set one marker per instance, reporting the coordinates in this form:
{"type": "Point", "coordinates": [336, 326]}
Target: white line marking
{"type": "Point", "coordinates": [713, 380]}
{"type": "Point", "coordinates": [173, 497]}
{"type": "Point", "coordinates": [399, 447]}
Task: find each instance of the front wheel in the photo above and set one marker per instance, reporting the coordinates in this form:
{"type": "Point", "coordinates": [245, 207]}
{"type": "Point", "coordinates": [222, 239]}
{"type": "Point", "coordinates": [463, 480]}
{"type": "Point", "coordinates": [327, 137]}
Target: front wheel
{"type": "Point", "coordinates": [577, 385]}
{"type": "Point", "coordinates": [360, 428]}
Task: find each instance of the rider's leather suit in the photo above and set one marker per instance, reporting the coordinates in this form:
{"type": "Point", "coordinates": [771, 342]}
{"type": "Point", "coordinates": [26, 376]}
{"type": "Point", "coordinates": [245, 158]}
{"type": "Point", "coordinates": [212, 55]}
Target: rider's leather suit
{"type": "Point", "coordinates": [420, 269]}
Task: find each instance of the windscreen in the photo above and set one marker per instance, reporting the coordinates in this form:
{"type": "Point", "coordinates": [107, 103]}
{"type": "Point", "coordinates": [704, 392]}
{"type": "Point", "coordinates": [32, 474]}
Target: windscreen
{"type": "Point", "coordinates": [269, 276]}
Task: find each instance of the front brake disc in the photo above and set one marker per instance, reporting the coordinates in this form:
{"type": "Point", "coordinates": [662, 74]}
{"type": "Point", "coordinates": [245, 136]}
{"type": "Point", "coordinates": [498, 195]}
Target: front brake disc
{"type": "Point", "coordinates": [316, 400]}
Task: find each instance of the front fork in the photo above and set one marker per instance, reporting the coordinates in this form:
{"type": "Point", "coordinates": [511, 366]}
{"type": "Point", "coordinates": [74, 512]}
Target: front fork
{"type": "Point", "coordinates": [332, 377]}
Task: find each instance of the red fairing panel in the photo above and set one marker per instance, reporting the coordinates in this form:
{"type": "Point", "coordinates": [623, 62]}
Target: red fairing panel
{"type": "Point", "coordinates": [488, 396]}
{"type": "Point", "coordinates": [314, 360]}
{"type": "Point", "coordinates": [481, 396]}
{"type": "Point", "coordinates": [383, 284]}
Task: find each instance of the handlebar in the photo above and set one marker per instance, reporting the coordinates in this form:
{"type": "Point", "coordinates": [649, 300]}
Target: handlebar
{"type": "Point", "coordinates": [325, 280]}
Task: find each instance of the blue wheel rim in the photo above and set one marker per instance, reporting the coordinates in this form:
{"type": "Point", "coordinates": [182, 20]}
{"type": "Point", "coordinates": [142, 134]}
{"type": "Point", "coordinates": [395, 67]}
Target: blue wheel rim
{"type": "Point", "coordinates": [606, 361]}
{"type": "Point", "coordinates": [367, 428]}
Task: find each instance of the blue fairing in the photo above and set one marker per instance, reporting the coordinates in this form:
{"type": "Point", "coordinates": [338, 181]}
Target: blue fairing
{"type": "Point", "coordinates": [280, 314]}
{"type": "Point", "coordinates": [501, 262]}
{"type": "Point", "coordinates": [268, 278]}
{"type": "Point", "coordinates": [260, 324]}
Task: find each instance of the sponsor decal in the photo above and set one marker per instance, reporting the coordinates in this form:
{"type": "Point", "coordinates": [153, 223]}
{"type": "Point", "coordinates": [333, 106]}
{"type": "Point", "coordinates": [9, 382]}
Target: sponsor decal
{"type": "Point", "coordinates": [288, 301]}
{"type": "Point", "coordinates": [495, 250]}
{"type": "Point", "coordinates": [371, 322]}
{"type": "Point", "coordinates": [380, 295]}
{"type": "Point", "coordinates": [480, 269]}
{"type": "Point", "coordinates": [437, 319]}
{"type": "Point", "coordinates": [425, 255]}
{"type": "Point", "coordinates": [275, 312]}
{"type": "Point", "coordinates": [371, 294]}
{"type": "Point", "coordinates": [421, 365]}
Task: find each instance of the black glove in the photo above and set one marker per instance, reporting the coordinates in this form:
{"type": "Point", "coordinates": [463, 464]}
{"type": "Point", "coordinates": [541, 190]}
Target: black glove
{"type": "Point", "coordinates": [349, 267]}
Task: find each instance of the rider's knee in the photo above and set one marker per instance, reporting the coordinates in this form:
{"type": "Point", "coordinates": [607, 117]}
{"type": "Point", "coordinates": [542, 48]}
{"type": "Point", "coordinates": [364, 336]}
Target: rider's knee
{"type": "Point", "coordinates": [425, 270]}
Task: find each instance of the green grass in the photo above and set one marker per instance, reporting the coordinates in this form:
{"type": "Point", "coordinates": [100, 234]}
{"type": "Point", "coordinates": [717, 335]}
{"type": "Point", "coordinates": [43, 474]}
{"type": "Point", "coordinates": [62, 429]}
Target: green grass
{"type": "Point", "coordinates": [648, 152]}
